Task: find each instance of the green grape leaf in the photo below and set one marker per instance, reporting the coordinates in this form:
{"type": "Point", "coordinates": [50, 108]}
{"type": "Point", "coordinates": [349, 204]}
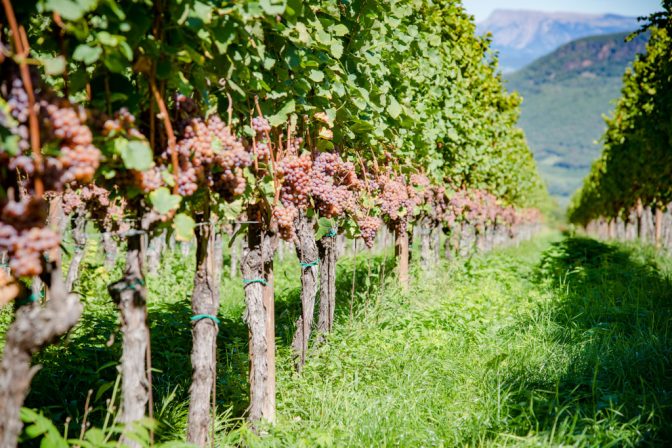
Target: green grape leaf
{"type": "Point", "coordinates": [168, 178]}
{"type": "Point", "coordinates": [163, 201]}
{"type": "Point", "coordinates": [316, 75]}
{"type": "Point", "coordinates": [339, 30]}
{"type": "Point", "coordinates": [281, 116]}
{"type": "Point", "coordinates": [68, 9]}
{"type": "Point", "coordinates": [54, 66]}
{"type": "Point", "coordinates": [87, 54]}
{"type": "Point", "coordinates": [231, 210]}
{"type": "Point", "coordinates": [184, 226]}
{"type": "Point", "coordinates": [324, 226]}
{"type": "Point", "coordinates": [336, 49]}
{"type": "Point", "coordinates": [136, 154]}
{"type": "Point", "coordinates": [394, 108]}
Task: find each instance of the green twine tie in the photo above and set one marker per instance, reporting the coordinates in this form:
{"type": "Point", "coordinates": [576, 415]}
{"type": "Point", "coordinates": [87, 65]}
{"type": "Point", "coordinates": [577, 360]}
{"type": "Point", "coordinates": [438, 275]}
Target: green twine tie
{"type": "Point", "coordinates": [254, 280]}
{"type": "Point", "coordinates": [311, 264]}
{"type": "Point", "coordinates": [198, 317]}
{"type": "Point", "coordinates": [331, 234]}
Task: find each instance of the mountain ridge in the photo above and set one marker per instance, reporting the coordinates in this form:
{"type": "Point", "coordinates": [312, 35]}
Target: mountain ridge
{"type": "Point", "coordinates": [521, 36]}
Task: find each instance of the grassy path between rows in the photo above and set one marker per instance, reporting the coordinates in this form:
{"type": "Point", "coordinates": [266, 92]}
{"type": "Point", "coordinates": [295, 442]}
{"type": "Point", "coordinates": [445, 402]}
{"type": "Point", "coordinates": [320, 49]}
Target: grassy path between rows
{"type": "Point", "coordinates": [561, 341]}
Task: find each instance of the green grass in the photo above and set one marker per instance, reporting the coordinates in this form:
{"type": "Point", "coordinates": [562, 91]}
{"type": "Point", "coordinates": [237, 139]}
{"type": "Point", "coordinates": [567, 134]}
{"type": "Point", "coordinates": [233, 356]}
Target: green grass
{"type": "Point", "coordinates": [561, 341]}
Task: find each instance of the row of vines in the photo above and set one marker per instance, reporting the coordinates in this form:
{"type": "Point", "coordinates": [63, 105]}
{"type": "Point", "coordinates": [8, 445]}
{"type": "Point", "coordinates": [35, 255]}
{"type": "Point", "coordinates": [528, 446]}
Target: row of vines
{"type": "Point", "coordinates": [282, 119]}
{"type": "Point", "coordinates": [628, 192]}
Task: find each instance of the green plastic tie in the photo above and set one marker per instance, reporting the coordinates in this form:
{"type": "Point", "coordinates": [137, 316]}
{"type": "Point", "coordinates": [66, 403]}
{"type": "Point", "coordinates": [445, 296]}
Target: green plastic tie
{"type": "Point", "coordinates": [198, 317]}
{"type": "Point", "coordinates": [311, 264]}
{"type": "Point", "coordinates": [30, 299]}
{"type": "Point", "coordinates": [332, 233]}
{"type": "Point", "coordinates": [134, 284]}
{"type": "Point", "coordinates": [254, 280]}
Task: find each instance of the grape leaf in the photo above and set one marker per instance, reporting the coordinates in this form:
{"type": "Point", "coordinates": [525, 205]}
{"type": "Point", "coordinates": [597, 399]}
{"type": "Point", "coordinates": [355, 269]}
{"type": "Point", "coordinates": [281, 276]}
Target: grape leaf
{"type": "Point", "coordinates": [163, 201]}
{"type": "Point", "coordinates": [184, 226]}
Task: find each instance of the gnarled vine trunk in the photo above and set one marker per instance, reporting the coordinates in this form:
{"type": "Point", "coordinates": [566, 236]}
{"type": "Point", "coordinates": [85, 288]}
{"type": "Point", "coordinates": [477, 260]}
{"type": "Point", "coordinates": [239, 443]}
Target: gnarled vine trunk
{"type": "Point", "coordinates": [448, 245]}
{"type": "Point", "coordinates": [257, 270]}
{"type": "Point", "coordinates": [658, 226]}
{"type": "Point", "coordinates": [154, 250]}
{"type": "Point", "coordinates": [35, 326]}
{"type": "Point", "coordinates": [110, 248]}
{"type": "Point", "coordinates": [327, 252]}
{"type": "Point", "coordinates": [130, 294]}
{"type": "Point", "coordinates": [204, 305]}
{"type": "Point", "coordinates": [402, 254]}
{"type": "Point", "coordinates": [306, 251]}
{"type": "Point", "coordinates": [426, 252]}
{"type": "Point", "coordinates": [79, 237]}
{"type": "Point", "coordinates": [640, 212]}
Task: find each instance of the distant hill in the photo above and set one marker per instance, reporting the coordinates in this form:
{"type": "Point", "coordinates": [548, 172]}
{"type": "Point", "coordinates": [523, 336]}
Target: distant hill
{"type": "Point", "coordinates": [565, 95]}
{"type": "Point", "coordinates": [523, 36]}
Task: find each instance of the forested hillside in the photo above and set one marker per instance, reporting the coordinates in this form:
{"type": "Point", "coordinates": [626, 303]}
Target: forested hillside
{"type": "Point", "coordinates": [565, 95]}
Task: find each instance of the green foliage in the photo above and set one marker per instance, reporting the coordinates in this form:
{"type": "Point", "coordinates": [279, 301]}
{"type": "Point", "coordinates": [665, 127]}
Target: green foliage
{"type": "Point", "coordinates": [405, 80]}
{"type": "Point", "coordinates": [636, 164]}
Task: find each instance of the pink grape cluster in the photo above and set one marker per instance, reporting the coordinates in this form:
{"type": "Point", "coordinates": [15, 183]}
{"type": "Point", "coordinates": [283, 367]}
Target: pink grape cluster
{"type": "Point", "coordinates": [27, 248]}
{"type": "Point", "coordinates": [105, 211]}
{"type": "Point", "coordinates": [368, 228]}
{"type": "Point", "coordinates": [295, 175]}
{"type": "Point", "coordinates": [397, 200]}
{"type": "Point", "coordinates": [18, 108]}
{"type": "Point", "coordinates": [284, 217]}
{"type": "Point", "coordinates": [210, 155]}
{"type": "Point", "coordinates": [123, 123]}
{"type": "Point", "coordinates": [149, 180]}
{"type": "Point", "coordinates": [333, 185]}
{"type": "Point", "coordinates": [78, 156]}
{"type": "Point", "coordinates": [260, 125]}
{"type": "Point", "coordinates": [73, 160]}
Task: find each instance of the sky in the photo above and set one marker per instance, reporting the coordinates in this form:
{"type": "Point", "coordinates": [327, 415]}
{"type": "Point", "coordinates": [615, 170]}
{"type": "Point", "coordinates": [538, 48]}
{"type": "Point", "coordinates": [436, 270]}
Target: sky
{"type": "Point", "coordinates": [482, 8]}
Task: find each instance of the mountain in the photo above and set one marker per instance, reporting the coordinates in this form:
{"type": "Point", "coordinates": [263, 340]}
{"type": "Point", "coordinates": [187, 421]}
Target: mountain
{"type": "Point", "coordinates": [522, 36]}
{"type": "Point", "coordinates": [565, 94]}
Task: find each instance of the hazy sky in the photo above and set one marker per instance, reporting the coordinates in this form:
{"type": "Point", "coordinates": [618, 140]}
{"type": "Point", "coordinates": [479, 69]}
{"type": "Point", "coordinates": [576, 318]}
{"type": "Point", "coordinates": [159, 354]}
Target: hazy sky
{"type": "Point", "coordinates": [482, 8]}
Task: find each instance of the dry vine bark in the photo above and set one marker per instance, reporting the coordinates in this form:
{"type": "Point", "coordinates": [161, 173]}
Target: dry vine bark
{"type": "Point", "coordinates": [426, 250]}
{"type": "Point", "coordinates": [130, 294]}
{"type": "Point", "coordinates": [402, 253]}
{"type": "Point", "coordinates": [35, 326]}
{"type": "Point", "coordinates": [204, 305]}
{"type": "Point", "coordinates": [257, 270]}
{"type": "Point", "coordinates": [306, 251]}
{"type": "Point", "coordinates": [79, 237]}
{"type": "Point", "coordinates": [327, 252]}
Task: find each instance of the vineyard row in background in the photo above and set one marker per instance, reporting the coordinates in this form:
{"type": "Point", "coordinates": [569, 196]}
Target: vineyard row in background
{"type": "Point", "coordinates": [628, 192]}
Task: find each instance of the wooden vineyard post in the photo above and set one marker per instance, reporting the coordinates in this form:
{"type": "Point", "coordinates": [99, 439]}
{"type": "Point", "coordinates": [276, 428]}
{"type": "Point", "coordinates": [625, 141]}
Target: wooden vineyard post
{"type": "Point", "coordinates": [257, 270]}
{"type": "Point", "coordinates": [402, 253]}
{"type": "Point", "coordinates": [640, 212]}
{"type": "Point", "coordinates": [426, 249]}
{"type": "Point", "coordinates": [327, 253]}
{"type": "Point", "coordinates": [658, 226]}
{"type": "Point", "coordinates": [79, 237]}
{"type": "Point", "coordinates": [204, 305]}
{"type": "Point", "coordinates": [129, 294]}
{"type": "Point", "coordinates": [306, 251]}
